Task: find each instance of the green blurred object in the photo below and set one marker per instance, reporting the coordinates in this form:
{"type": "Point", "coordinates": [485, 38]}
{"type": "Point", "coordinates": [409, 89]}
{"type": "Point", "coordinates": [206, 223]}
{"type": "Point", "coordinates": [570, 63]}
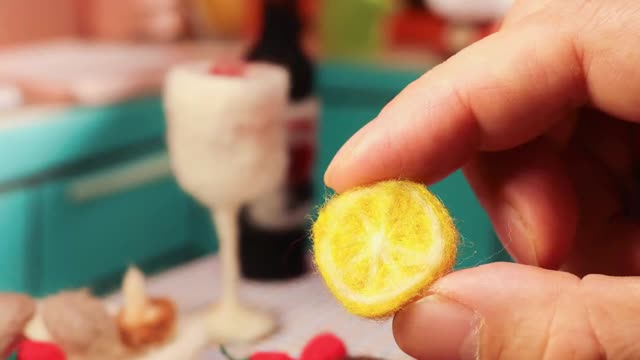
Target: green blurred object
{"type": "Point", "coordinates": [352, 29]}
{"type": "Point", "coordinates": [13, 356]}
{"type": "Point", "coordinates": [352, 96]}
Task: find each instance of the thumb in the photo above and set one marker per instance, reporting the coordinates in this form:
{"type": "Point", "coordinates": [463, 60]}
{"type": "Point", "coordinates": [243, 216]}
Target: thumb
{"type": "Point", "coordinates": [510, 311]}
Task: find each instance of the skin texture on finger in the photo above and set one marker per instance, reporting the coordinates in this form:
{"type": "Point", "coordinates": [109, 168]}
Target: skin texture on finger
{"type": "Point", "coordinates": [612, 249]}
{"type": "Point", "coordinates": [606, 44]}
{"type": "Point", "coordinates": [613, 306]}
{"type": "Point", "coordinates": [562, 132]}
{"type": "Point", "coordinates": [607, 240]}
{"type": "Point", "coordinates": [527, 313]}
{"type": "Point", "coordinates": [610, 142]}
{"type": "Point", "coordinates": [530, 199]}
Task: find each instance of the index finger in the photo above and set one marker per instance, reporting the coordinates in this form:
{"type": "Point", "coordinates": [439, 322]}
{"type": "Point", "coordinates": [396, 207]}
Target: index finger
{"type": "Point", "coordinates": [496, 94]}
{"type": "Point", "coordinates": [502, 92]}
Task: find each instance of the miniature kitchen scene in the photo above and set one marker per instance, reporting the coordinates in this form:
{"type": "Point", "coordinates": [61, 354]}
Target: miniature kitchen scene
{"type": "Point", "coordinates": [162, 162]}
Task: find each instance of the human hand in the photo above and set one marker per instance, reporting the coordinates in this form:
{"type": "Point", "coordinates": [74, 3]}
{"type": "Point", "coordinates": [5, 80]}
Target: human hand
{"type": "Point", "coordinates": [543, 118]}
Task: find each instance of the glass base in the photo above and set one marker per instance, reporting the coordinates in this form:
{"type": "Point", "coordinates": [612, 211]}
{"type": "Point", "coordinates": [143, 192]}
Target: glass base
{"type": "Point", "coordinates": [235, 323]}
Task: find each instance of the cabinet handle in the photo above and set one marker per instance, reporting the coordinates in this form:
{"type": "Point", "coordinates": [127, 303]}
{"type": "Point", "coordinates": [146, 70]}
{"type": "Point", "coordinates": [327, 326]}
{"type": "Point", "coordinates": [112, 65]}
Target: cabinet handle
{"type": "Point", "coordinates": [134, 174]}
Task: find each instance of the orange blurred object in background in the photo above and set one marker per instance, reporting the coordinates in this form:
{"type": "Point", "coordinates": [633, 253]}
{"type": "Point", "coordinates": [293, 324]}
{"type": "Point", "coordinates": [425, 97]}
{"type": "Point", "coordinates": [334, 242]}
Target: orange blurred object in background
{"type": "Point", "coordinates": [221, 18]}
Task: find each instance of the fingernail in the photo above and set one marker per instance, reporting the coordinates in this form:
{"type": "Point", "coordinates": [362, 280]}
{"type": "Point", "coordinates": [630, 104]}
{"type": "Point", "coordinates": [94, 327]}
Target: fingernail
{"type": "Point", "coordinates": [438, 328]}
{"type": "Point", "coordinates": [517, 237]}
{"type": "Point", "coordinates": [343, 156]}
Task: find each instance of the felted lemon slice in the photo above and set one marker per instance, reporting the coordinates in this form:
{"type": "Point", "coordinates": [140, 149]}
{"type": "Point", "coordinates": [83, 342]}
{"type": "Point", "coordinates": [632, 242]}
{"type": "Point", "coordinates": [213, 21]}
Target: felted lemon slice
{"type": "Point", "coordinates": [380, 247]}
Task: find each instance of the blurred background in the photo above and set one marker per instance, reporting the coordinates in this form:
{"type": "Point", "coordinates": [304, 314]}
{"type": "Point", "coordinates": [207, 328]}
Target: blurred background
{"type": "Point", "coordinates": [85, 187]}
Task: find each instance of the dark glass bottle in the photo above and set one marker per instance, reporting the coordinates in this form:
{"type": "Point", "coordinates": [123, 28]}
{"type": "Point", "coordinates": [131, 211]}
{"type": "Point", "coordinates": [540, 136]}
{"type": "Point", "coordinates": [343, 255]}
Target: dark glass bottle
{"type": "Point", "coordinates": [416, 5]}
{"type": "Point", "coordinates": [274, 229]}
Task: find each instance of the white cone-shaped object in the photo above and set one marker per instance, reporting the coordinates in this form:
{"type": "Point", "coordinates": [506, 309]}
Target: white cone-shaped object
{"type": "Point", "coordinates": [134, 294]}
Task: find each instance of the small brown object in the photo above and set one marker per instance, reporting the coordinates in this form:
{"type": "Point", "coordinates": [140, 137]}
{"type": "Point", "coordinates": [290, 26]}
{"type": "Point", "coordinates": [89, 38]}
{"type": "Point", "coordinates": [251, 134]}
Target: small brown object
{"type": "Point", "coordinates": [155, 328]}
{"type": "Point", "coordinates": [144, 321]}
{"type": "Point", "coordinates": [80, 324]}
{"type": "Point", "coordinates": [15, 312]}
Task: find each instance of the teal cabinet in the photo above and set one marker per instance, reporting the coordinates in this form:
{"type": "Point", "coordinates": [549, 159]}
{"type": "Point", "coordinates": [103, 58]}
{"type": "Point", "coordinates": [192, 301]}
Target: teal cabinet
{"type": "Point", "coordinates": [18, 240]}
{"type": "Point", "coordinates": [97, 224]}
{"type": "Point", "coordinates": [64, 137]}
{"type": "Point", "coordinates": [87, 192]}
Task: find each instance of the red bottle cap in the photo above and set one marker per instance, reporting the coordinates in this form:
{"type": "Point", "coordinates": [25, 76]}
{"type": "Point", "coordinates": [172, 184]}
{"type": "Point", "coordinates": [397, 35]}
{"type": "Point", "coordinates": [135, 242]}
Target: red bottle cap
{"type": "Point", "coordinates": [228, 68]}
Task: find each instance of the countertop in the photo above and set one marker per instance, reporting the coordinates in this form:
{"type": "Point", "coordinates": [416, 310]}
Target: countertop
{"type": "Point", "coordinates": [303, 306]}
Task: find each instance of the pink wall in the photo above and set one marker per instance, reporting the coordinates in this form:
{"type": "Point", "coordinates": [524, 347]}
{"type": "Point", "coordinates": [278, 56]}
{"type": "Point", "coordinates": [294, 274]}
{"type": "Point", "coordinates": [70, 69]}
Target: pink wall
{"type": "Point", "coordinates": [123, 20]}
{"type": "Point", "coordinates": [34, 20]}
{"type": "Point", "coordinates": [120, 20]}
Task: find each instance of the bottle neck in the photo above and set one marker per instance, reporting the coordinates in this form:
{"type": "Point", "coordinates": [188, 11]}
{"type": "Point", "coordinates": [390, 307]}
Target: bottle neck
{"type": "Point", "coordinates": [416, 4]}
{"type": "Point", "coordinates": [281, 21]}
{"type": "Point", "coordinates": [280, 42]}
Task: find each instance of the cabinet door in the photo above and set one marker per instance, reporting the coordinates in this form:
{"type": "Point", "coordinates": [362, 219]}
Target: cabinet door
{"type": "Point", "coordinates": [478, 243]}
{"type": "Point", "coordinates": [18, 240]}
{"type": "Point", "coordinates": [98, 223]}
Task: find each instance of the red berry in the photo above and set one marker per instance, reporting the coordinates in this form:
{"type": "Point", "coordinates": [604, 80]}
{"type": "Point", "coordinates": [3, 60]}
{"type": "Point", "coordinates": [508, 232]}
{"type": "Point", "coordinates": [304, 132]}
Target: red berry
{"type": "Point", "coordinates": [270, 356]}
{"type": "Point", "coordinates": [34, 350]}
{"type": "Point", "coordinates": [228, 68]}
{"type": "Point", "coordinates": [11, 348]}
{"type": "Point", "coordinates": [324, 346]}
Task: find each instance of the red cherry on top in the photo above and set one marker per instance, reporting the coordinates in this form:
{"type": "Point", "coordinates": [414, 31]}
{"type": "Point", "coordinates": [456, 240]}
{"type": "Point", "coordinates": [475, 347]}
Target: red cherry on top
{"type": "Point", "coordinates": [228, 68]}
{"type": "Point", "coordinates": [35, 350]}
{"type": "Point", "coordinates": [325, 346]}
{"type": "Point", "coordinates": [270, 356]}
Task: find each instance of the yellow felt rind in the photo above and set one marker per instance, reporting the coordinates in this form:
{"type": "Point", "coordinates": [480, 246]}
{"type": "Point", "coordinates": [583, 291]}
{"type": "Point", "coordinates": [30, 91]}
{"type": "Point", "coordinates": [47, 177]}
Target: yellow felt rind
{"type": "Point", "coordinates": [380, 247]}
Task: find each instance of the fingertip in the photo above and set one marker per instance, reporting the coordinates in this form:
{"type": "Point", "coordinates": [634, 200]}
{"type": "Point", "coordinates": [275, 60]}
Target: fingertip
{"type": "Point", "coordinates": [349, 164]}
{"type": "Point", "coordinates": [400, 143]}
{"type": "Point", "coordinates": [328, 177]}
{"type": "Point", "coordinates": [524, 312]}
{"type": "Point", "coordinates": [437, 328]}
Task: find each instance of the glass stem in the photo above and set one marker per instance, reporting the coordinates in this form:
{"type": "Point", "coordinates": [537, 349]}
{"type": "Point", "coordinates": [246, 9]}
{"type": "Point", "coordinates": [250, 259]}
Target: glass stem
{"type": "Point", "coordinates": [225, 220]}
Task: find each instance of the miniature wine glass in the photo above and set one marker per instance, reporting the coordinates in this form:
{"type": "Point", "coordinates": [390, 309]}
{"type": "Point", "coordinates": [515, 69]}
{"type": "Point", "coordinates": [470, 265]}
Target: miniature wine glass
{"type": "Point", "coordinates": [227, 146]}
